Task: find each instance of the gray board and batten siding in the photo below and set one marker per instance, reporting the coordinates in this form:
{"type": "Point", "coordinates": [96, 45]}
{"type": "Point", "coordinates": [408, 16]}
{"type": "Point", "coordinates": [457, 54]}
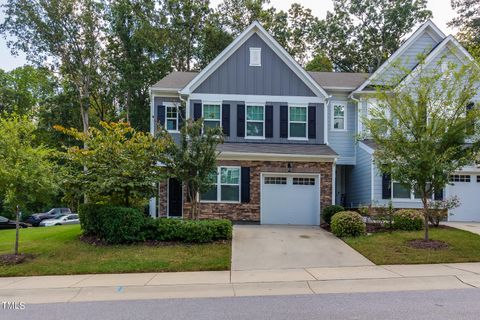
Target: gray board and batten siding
{"type": "Point", "coordinates": [236, 76]}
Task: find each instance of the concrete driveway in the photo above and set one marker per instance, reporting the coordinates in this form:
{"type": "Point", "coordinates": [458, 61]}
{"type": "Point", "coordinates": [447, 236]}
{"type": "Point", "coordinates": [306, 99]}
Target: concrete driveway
{"type": "Point", "coordinates": [473, 227]}
{"type": "Point", "coordinates": [284, 247]}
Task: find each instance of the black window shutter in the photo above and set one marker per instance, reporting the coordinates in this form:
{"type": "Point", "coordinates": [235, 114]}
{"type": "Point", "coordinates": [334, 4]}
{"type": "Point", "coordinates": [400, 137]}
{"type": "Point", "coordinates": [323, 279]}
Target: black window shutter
{"type": "Point", "coordinates": [181, 117]}
{"type": "Point", "coordinates": [438, 195]}
{"type": "Point", "coordinates": [268, 121]}
{"type": "Point", "coordinates": [241, 120]}
{"type": "Point", "coordinates": [470, 126]}
{"type": "Point", "coordinates": [283, 121]}
{"type": "Point", "coordinates": [197, 111]}
{"type": "Point", "coordinates": [245, 187]}
{"type": "Point", "coordinates": [161, 115]}
{"type": "Point", "coordinates": [312, 122]}
{"type": "Point", "coordinates": [226, 119]}
{"type": "Point", "coordinates": [386, 186]}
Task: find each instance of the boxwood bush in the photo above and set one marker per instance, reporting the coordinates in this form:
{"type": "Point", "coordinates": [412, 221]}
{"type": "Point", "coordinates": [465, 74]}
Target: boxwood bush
{"type": "Point", "coordinates": [117, 225]}
{"type": "Point", "coordinates": [408, 220]}
{"type": "Point", "coordinates": [347, 224]}
{"type": "Point", "coordinates": [329, 211]}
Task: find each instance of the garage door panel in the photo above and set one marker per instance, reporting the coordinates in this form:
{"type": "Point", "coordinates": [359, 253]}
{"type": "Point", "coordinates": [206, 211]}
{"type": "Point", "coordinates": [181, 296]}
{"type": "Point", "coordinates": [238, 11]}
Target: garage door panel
{"type": "Point", "coordinates": [467, 188]}
{"type": "Point", "coordinates": [290, 200]}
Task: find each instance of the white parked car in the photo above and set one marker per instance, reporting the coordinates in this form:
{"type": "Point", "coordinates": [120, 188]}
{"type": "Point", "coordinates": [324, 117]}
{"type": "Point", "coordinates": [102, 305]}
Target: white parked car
{"type": "Point", "coordinates": [61, 220]}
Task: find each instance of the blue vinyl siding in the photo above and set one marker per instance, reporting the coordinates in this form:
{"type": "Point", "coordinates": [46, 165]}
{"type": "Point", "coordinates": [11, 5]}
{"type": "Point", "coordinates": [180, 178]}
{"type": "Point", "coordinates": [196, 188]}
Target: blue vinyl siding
{"type": "Point", "coordinates": [359, 180]}
{"type": "Point", "coordinates": [343, 142]}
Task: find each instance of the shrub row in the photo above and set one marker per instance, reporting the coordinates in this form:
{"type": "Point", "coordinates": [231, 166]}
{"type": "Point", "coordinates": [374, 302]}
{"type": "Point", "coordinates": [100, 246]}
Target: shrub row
{"type": "Point", "coordinates": [117, 225]}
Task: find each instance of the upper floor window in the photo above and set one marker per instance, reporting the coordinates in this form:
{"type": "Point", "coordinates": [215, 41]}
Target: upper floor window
{"type": "Point", "coordinates": [297, 122]}
{"type": "Point", "coordinates": [255, 57]}
{"type": "Point", "coordinates": [339, 116]}
{"type": "Point", "coordinates": [211, 115]}
{"type": "Point", "coordinates": [172, 117]}
{"type": "Point", "coordinates": [255, 121]}
{"type": "Point", "coordinates": [459, 178]}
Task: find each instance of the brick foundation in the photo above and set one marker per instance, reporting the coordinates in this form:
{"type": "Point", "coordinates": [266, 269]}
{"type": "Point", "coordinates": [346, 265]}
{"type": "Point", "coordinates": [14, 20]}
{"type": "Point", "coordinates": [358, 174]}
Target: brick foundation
{"type": "Point", "coordinates": [251, 211]}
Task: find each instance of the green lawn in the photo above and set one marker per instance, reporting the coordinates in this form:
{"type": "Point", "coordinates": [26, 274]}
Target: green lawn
{"type": "Point", "coordinates": [391, 248]}
{"type": "Point", "coordinates": [59, 251]}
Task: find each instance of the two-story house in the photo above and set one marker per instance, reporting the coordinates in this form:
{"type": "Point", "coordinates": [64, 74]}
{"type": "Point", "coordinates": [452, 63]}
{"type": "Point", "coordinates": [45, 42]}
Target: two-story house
{"type": "Point", "coordinates": [290, 135]}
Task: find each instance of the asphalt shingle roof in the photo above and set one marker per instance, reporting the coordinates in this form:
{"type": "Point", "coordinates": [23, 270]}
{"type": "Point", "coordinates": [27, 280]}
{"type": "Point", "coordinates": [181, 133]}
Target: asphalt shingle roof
{"type": "Point", "coordinates": [278, 148]}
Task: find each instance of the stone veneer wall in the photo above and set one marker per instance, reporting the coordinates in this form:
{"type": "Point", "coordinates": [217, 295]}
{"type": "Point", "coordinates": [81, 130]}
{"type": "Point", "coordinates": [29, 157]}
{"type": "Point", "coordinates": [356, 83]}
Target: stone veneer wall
{"type": "Point", "coordinates": [251, 211]}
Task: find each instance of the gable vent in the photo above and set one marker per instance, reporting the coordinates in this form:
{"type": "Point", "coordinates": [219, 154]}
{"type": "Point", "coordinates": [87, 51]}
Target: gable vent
{"type": "Point", "coordinates": [255, 57]}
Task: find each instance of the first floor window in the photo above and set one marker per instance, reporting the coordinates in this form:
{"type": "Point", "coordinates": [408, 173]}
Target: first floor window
{"type": "Point", "coordinates": [255, 121]}
{"type": "Point", "coordinates": [297, 122]}
{"type": "Point", "coordinates": [172, 118]}
{"type": "Point", "coordinates": [211, 115]}
{"type": "Point", "coordinates": [226, 185]}
{"type": "Point", "coordinates": [339, 117]}
{"type": "Point", "coordinates": [400, 191]}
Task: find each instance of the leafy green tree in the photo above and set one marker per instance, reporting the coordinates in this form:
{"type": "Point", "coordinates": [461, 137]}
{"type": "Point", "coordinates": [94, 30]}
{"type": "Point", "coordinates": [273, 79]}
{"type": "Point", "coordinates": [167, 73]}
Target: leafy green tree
{"type": "Point", "coordinates": [425, 130]}
{"type": "Point", "coordinates": [193, 160]}
{"type": "Point", "coordinates": [186, 21]}
{"type": "Point", "coordinates": [359, 35]}
{"type": "Point", "coordinates": [213, 40]}
{"type": "Point", "coordinates": [237, 15]}
{"type": "Point", "coordinates": [64, 35]}
{"type": "Point", "coordinates": [27, 173]}
{"type": "Point", "coordinates": [468, 21]}
{"type": "Point", "coordinates": [24, 89]}
{"type": "Point", "coordinates": [319, 62]}
{"type": "Point", "coordinates": [120, 165]}
{"type": "Point", "coordinates": [137, 55]}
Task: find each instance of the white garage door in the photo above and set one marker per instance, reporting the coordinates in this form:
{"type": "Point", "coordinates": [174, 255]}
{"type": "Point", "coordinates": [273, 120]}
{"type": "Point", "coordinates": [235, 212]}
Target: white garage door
{"type": "Point", "coordinates": [290, 199]}
{"type": "Point", "coordinates": [467, 188]}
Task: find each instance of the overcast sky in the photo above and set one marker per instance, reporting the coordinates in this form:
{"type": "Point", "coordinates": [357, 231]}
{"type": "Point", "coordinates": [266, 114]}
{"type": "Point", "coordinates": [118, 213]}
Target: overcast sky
{"type": "Point", "coordinates": [442, 13]}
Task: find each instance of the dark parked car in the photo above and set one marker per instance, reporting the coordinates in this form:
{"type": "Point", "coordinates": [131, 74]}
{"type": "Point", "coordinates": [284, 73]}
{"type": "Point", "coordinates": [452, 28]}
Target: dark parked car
{"type": "Point", "coordinates": [36, 218]}
{"type": "Point", "coordinates": [10, 224]}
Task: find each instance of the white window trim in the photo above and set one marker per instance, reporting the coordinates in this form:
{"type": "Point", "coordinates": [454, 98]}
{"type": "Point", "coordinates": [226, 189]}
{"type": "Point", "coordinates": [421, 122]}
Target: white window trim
{"type": "Point", "coordinates": [412, 195]}
{"type": "Point", "coordinates": [169, 105]}
{"type": "Point", "coordinates": [344, 105]}
{"type": "Point", "coordinates": [211, 103]}
{"type": "Point", "coordinates": [219, 186]}
{"type": "Point", "coordinates": [252, 50]}
{"type": "Point", "coordinates": [246, 120]}
{"type": "Point", "coordinates": [306, 122]}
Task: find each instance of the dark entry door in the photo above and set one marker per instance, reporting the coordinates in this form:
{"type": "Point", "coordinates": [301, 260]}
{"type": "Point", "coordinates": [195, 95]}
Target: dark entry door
{"type": "Point", "coordinates": [174, 198]}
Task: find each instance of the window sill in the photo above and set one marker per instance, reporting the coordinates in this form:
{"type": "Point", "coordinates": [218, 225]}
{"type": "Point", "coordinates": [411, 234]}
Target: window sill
{"type": "Point", "coordinates": [220, 202]}
{"type": "Point", "coordinates": [173, 131]}
{"type": "Point", "coordinates": [339, 130]}
{"type": "Point", "coordinates": [297, 139]}
{"type": "Point", "coordinates": [254, 138]}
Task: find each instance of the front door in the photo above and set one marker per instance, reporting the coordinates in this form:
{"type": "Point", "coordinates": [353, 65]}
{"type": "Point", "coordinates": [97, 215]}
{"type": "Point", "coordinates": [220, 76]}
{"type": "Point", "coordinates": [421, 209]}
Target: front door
{"type": "Point", "coordinates": [174, 198]}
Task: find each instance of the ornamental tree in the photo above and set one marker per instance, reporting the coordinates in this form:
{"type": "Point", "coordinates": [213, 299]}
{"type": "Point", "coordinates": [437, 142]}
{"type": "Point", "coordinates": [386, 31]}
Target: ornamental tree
{"type": "Point", "coordinates": [120, 166]}
{"type": "Point", "coordinates": [193, 160]}
{"type": "Point", "coordinates": [27, 173]}
{"type": "Point", "coordinates": [425, 125]}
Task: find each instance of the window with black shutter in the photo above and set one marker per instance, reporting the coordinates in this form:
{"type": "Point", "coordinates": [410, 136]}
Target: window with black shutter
{"type": "Point", "coordinates": [268, 121]}
{"type": "Point", "coordinates": [226, 119]}
{"type": "Point", "coordinates": [245, 185]}
{"type": "Point", "coordinates": [283, 121]}
{"type": "Point", "coordinates": [241, 120]}
{"type": "Point", "coordinates": [312, 122]}
{"type": "Point", "coordinates": [386, 186]}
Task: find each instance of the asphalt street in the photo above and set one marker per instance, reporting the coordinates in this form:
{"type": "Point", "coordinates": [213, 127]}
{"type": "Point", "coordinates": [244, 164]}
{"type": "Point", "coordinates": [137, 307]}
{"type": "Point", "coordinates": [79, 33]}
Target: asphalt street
{"type": "Point", "coordinates": [438, 305]}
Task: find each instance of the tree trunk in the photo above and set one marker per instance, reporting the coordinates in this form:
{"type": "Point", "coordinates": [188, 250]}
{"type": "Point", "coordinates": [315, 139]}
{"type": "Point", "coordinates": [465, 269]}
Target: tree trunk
{"type": "Point", "coordinates": [425, 215]}
{"type": "Point", "coordinates": [17, 227]}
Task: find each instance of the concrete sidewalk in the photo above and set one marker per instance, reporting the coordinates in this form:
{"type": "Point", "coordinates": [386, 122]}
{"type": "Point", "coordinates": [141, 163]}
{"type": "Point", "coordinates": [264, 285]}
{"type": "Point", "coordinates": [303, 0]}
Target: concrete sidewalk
{"type": "Point", "coordinates": [139, 286]}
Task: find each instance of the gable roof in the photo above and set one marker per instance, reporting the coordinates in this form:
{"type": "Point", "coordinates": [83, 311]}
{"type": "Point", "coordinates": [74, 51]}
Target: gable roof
{"type": "Point", "coordinates": [257, 28]}
{"type": "Point", "coordinates": [427, 26]}
{"type": "Point", "coordinates": [346, 81]}
{"type": "Point", "coordinates": [462, 54]}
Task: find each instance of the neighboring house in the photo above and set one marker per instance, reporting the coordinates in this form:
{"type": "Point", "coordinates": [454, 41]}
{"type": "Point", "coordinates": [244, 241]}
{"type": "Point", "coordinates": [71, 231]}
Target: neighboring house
{"type": "Point", "coordinates": [290, 135]}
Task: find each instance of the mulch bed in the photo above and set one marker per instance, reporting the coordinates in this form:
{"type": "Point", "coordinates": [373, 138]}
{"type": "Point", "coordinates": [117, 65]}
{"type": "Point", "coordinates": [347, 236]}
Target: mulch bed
{"type": "Point", "coordinates": [430, 244]}
{"type": "Point", "coordinates": [376, 227]}
{"type": "Point", "coordinates": [11, 259]}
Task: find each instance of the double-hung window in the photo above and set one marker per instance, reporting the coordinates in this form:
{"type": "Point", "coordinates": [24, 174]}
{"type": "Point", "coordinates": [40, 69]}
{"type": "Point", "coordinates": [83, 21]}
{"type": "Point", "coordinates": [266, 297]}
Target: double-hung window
{"type": "Point", "coordinates": [226, 186]}
{"type": "Point", "coordinates": [255, 121]}
{"type": "Point", "coordinates": [339, 116]}
{"type": "Point", "coordinates": [211, 115]}
{"type": "Point", "coordinates": [401, 191]}
{"type": "Point", "coordinates": [297, 122]}
{"type": "Point", "coordinates": [171, 118]}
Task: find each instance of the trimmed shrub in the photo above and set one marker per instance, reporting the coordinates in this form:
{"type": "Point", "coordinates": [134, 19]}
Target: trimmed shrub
{"type": "Point", "coordinates": [191, 231]}
{"type": "Point", "coordinates": [435, 216]}
{"type": "Point", "coordinates": [329, 211]}
{"type": "Point", "coordinates": [408, 220]}
{"type": "Point", "coordinates": [113, 224]}
{"type": "Point", "coordinates": [347, 224]}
